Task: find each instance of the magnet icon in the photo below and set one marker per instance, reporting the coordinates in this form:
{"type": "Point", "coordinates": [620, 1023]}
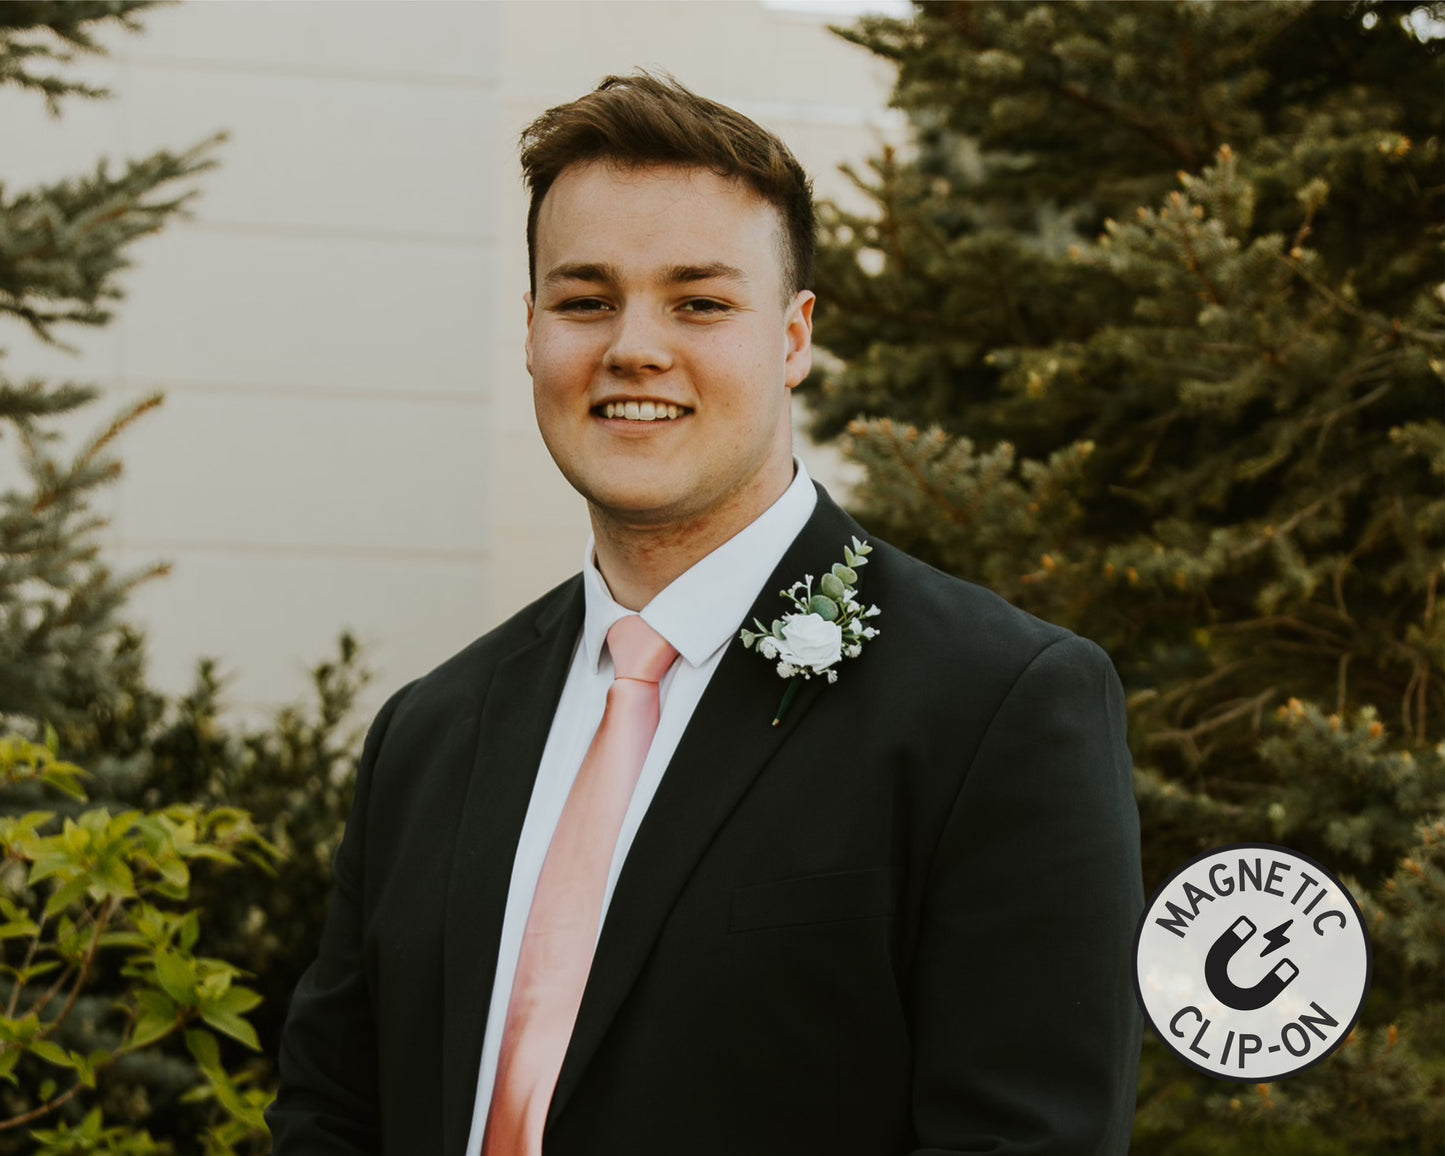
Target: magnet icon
{"type": "Point", "coordinates": [1224, 949]}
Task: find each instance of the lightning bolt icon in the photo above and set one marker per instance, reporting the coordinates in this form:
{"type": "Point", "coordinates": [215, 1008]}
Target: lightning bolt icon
{"type": "Point", "coordinates": [1276, 938]}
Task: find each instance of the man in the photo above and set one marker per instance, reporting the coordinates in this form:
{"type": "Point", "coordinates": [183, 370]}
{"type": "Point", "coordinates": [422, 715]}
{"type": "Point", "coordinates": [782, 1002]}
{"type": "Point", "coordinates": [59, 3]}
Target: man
{"type": "Point", "coordinates": [897, 921]}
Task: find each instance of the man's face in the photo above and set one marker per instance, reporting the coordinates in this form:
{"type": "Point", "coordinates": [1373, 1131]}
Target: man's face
{"type": "Point", "coordinates": [660, 293]}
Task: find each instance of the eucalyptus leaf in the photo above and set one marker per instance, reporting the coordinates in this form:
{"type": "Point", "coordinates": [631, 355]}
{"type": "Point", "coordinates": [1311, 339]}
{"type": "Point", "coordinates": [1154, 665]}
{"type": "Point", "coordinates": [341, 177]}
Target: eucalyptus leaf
{"type": "Point", "coordinates": [824, 607]}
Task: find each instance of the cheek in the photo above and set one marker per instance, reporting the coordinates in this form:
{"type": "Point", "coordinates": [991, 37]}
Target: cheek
{"type": "Point", "coordinates": [556, 371]}
{"type": "Point", "coordinates": [753, 369]}
{"type": "Point", "coordinates": [563, 354]}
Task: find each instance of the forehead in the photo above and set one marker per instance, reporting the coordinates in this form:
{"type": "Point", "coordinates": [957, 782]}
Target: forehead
{"type": "Point", "coordinates": [653, 217]}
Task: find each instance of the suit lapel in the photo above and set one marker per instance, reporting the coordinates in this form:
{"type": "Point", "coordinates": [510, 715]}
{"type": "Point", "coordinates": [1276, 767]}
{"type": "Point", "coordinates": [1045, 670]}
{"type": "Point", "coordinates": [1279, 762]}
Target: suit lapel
{"type": "Point", "coordinates": [515, 721]}
{"type": "Point", "coordinates": [726, 745]}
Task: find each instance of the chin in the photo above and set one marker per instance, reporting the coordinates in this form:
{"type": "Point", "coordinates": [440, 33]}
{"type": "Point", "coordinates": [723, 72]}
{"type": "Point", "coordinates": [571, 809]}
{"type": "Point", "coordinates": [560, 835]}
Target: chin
{"type": "Point", "coordinates": [639, 509]}
{"type": "Point", "coordinates": [630, 486]}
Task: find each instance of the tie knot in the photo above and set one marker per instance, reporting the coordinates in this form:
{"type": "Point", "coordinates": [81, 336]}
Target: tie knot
{"type": "Point", "coordinates": [638, 651]}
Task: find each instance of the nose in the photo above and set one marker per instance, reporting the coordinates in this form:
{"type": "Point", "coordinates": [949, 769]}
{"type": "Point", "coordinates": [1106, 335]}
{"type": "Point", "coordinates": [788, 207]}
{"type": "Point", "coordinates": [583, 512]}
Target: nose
{"type": "Point", "coordinates": [639, 344]}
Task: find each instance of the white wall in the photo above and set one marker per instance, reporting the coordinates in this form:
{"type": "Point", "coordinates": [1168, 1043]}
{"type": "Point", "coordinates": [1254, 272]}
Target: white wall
{"type": "Point", "coordinates": [347, 438]}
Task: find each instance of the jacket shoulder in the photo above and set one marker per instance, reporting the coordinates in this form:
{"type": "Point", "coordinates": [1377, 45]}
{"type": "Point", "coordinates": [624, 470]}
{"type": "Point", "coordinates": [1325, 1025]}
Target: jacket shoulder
{"type": "Point", "coordinates": [457, 680]}
{"type": "Point", "coordinates": [956, 615]}
{"type": "Point", "coordinates": [949, 637]}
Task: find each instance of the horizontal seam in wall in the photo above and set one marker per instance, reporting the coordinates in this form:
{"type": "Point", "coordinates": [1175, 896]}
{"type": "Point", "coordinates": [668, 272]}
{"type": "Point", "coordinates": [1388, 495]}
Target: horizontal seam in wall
{"type": "Point", "coordinates": [332, 233]}
{"type": "Point", "coordinates": [290, 550]}
{"type": "Point", "coordinates": [283, 391]}
{"type": "Point", "coordinates": [260, 68]}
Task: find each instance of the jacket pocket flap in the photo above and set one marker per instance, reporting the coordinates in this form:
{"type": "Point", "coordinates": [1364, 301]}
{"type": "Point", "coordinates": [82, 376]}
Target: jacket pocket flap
{"type": "Point", "coordinates": [859, 894]}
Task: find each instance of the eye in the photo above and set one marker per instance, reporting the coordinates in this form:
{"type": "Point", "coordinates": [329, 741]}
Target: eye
{"type": "Point", "coordinates": [583, 305]}
{"type": "Point", "coordinates": [705, 305]}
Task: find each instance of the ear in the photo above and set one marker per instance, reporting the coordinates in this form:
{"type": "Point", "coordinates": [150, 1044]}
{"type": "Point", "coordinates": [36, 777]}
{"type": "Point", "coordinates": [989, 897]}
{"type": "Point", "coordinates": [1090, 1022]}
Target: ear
{"type": "Point", "coordinates": [798, 330]}
{"type": "Point", "coordinates": [527, 299]}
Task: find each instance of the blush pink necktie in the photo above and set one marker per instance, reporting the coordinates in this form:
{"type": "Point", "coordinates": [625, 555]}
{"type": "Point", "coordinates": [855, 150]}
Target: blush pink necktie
{"type": "Point", "coordinates": [562, 925]}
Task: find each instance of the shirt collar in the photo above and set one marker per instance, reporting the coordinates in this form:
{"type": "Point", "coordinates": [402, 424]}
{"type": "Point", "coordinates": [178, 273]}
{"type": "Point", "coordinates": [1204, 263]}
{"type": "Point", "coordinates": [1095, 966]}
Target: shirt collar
{"type": "Point", "coordinates": [701, 609]}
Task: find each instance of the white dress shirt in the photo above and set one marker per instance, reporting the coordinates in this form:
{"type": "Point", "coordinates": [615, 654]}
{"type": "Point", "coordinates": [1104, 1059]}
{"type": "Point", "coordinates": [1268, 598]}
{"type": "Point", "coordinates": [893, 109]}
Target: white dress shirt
{"type": "Point", "coordinates": [699, 613]}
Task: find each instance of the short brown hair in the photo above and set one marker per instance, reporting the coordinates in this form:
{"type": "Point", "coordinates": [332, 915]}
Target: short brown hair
{"type": "Point", "coordinates": [649, 119]}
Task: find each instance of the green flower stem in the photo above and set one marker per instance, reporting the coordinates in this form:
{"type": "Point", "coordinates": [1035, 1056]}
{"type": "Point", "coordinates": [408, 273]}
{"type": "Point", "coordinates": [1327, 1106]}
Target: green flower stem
{"type": "Point", "coordinates": [787, 700]}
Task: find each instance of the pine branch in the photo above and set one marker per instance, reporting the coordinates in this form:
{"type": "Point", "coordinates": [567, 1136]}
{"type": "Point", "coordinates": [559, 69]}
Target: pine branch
{"type": "Point", "coordinates": [1393, 328]}
{"type": "Point", "coordinates": [65, 243]}
{"type": "Point", "coordinates": [57, 33]}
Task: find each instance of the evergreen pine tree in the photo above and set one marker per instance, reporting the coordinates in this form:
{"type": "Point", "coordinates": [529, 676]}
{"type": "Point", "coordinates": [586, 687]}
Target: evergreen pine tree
{"type": "Point", "coordinates": [62, 247]}
{"type": "Point", "coordinates": [1146, 334]}
{"type": "Point", "coordinates": [68, 657]}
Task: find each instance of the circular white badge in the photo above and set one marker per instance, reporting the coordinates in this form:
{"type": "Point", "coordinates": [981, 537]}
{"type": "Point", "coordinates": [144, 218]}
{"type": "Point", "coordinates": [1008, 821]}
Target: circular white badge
{"type": "Point", "coordinates": [1252, 962]}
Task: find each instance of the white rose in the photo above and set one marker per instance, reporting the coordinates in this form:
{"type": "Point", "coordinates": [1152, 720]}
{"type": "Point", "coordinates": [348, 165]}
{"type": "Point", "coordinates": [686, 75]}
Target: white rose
{"type": "Point", "coordinates": [810, 640]}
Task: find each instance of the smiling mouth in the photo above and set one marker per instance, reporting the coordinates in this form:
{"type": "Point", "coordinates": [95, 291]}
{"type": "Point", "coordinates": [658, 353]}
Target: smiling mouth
{"type": "Point", "coordinates": [641, 411]}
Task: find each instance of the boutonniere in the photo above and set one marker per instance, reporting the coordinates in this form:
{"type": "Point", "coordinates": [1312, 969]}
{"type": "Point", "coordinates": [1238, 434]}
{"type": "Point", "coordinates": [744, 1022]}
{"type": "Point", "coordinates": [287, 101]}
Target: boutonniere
{"type": "Point", "coordinates": [827, 627]}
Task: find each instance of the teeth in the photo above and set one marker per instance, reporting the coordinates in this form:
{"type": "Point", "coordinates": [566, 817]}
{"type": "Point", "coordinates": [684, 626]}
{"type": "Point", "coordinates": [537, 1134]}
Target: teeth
{"type": "Point", "coordinates": [642, 410]}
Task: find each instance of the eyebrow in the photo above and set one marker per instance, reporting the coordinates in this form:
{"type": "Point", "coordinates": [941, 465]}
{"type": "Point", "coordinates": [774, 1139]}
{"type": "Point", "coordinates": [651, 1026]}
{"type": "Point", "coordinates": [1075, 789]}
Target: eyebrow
{"type": "Point", "coordinates": [604, 273]}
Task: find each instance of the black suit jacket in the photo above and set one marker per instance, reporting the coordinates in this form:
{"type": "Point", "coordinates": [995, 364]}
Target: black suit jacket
{"type": "Point", "coordinates": [900, 922]}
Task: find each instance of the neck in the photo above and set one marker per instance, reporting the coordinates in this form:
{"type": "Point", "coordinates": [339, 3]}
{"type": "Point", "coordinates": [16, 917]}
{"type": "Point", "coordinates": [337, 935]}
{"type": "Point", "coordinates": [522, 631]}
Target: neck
{"type": "Point", "coordinates": [638, 561]}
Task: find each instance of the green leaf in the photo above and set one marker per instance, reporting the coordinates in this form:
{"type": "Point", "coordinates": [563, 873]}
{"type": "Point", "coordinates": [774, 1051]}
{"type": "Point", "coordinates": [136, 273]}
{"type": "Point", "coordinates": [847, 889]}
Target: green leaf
{"type": "Point", "coordinates": [114, 878]}
{"type": "Point", "coordinates": [123, 939]}
{"type": "Point", "coordinates": [233, 1025]}
{"type": "Point", "coordinates": [51, 1053]}
{"type": "Point", "coordinates": [49, 860]}
{"type": "Point", "coordinates": [237, 999]}
{"type": "Point", "coordinates": [833, 587]}
{"type": "Point", "coordinates": [177, 976]}
{"type": "Point", "coordinates": [90, 1126]}
{"type": "Point", "coordinates": [824, 607]}
{"type": "Point", "coordinates": [844, 574]}
{"type": "Point", "coordinates": [66, 896]}
{"type": "Point", "coordinates": [20, 1031]}
{"type": "Point", "coordinates": [203, 1047]}
{"type": "Point", "coordinates": [157, 1015]}
{"type": "Point", "coordinates": [190, 930]}
{"type": "Point", "coordinates": [86, 1066]}
{"type": "Point", "coordinates": [65, 779]}
{"type": "Point", "coordinates": [36, 970]}
{"type": "Point", "coordinates": [201, 851]}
